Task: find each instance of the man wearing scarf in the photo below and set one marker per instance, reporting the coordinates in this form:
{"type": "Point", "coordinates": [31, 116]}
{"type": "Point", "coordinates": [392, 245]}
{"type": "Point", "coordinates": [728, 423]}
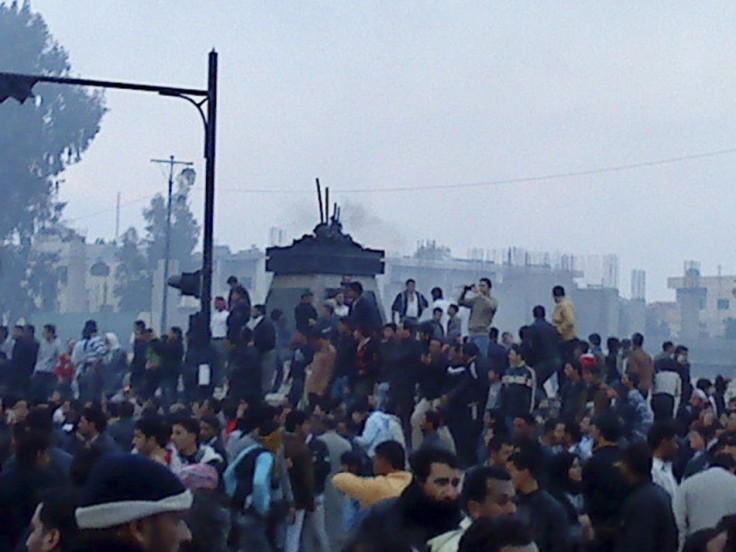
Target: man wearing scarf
{"type": "Point", "coordinates": [428, 507]}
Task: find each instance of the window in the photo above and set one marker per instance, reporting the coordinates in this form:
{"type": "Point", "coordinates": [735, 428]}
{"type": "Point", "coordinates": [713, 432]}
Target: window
{"type": "Point", "coordinates": [723, 304]}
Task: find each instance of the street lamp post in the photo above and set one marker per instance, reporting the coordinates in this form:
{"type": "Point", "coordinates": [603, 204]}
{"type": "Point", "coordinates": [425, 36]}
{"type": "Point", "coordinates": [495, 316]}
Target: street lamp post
{"type": "Point", "coordinates": [171, 162]}
{"type": "Point", "coordinates": [20, 87]}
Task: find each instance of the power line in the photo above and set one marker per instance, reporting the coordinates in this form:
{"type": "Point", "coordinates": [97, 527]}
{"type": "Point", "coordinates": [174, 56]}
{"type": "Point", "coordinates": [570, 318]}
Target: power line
{"type": "Point", "coordinates": [520, 180]}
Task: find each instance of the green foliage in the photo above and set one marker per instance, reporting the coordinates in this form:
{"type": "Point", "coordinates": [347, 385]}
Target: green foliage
{"type": "Point", "coordinates": [38, 140]}
{"type": "Point", "coordinates": [132, 276]}
{"type": "Point", "coordinates": [184, 229]}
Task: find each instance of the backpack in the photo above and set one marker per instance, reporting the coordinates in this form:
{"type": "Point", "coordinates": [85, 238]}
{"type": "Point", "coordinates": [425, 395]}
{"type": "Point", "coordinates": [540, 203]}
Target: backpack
{"type": "Point", "coordinates": [244, 472]}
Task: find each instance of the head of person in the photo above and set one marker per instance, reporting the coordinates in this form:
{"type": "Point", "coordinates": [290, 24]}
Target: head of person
{"type": "Point", "coordinates": [389, 331]}
{"type": "Point", "coordinates": [139, 326]}
{"type": "Point", "coordinates": [524, 465]}
{"type": "Point", "coordinates": [298, 422]}
{"type": "Point", "coordinates": [354, 290]}
{"type": "Point", "coordinates": [209, 427]}
{"type": "Point", "coordinates": [493, 334]}
{"type": "Point", "coordinates": [437, 314]}
{"type": "Point", "coordinates": [93, 421]}
{"type": "Point", "coordinates": [571, 433]}
{"type": "Point", "coordinates": [573, 370]}
{"type": "Point", "coordinates": [565, 474]}
{"type": "Point", "coordinates": [637, 463]}
{"type": "Point", "coordinates": [258, 311]}
{"type": "Point", "coordinates": [488, 492]}
{"type": "Point", "coordinates": [525, 426]}
{"type": "Point", "coordinates": [339, 298]}
{"type": "Point", "coordinates": [185, 434]}
{"type": "Point", "coordinates": [500, 448]}
{"type": "Point", "coordinates": [411, 285]}
{"type": "Point", "coordinates": [232, 281]}
{"type": "Point", "coordinates": [668, 348]}
{"type": "Point", "coordinates": [53, 527]}
{"type": "Point", "coordinates": [595, 340]}
{"type": "Point", "coordinates": [32, 448]}
{"type": "Point", "coordinates": [29, 331]}
{"type": "Point", "coordinates": [306, 297]}
{"type": "Point", "coordinates": [539, 313]}
{"type": "Point", "coordinates": [558, 293]}
{"type": "Point", "coordinates": [662, 439]}
{"type": "Point", "coordinates": [220, 304]}
{"type": "Point", "coordinates": [406, 330]}
{"type": "Point", "coordinates": [637, 340]}
{"type": "Point", "coordinates": [606, 428]}
{"type": "Point", "coordinates": [500, 534]}
{"type": "Point", "coordinates": [681, 354]}
{"type": "Point", "coordinates": [452, 310]}
{"type": "Point", "coordinates": [516, 358]}
{"type": "Point", "coordinates": [613, 345]}
{"type": "Point", "coordinates": [89, 330]}
{"type": "Point", "coordinates": [49, 332]}
{"type": "Point", "coordinates": [435, 347]}
{"type": "Point", "coordinates": [389, 457]}
{"type": "Point", "coordinates": [150, 434]}
{"type": "Point", "coordinates": [437, 471]}
{"type": "Point", "coordinates": [471, 351]}
{"type": "Point", "coordinates": [484, 286]}
{"type": "Point", "coordinates": [436, 293]}
{"type": "Point", "coordinates": [134, 500]}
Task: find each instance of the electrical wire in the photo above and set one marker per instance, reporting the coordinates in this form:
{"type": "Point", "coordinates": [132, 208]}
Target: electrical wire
{"type": "Point", "coordinates": [519, 180]}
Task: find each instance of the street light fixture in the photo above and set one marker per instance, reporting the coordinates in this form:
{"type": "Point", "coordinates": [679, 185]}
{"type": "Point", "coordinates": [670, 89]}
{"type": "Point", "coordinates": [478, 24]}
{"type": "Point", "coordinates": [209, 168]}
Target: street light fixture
{"type": "Point", "coordinates": [20, 87]}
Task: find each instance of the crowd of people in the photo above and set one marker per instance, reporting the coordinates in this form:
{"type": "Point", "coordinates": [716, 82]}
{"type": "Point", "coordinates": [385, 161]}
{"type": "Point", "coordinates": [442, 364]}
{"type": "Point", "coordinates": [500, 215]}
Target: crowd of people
{"type": "Point", "coordinates": [338, 429]}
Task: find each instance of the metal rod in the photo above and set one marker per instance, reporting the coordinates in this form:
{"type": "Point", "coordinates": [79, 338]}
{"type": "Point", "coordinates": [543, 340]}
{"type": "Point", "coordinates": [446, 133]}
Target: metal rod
{"type": "Point", "coordinates": [209, 196]}
{"type": "Point", "coordinates": [321, 207]}
{"type": "Point", "coordinates": [327, 204]}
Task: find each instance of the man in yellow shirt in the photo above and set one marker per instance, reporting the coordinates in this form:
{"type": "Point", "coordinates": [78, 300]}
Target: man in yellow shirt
{"type": "Point", "coordinates": [389, 481]}
{"type": "Point", "coordinates": [564, 320]}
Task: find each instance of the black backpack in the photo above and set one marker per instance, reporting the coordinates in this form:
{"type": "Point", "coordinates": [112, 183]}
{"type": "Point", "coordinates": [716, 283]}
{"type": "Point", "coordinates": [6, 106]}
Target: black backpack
{"type": "Point", "coordinates": [244, 472]}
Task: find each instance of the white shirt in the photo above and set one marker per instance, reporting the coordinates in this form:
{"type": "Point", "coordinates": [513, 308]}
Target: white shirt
{"type": "Point", "coordinates": [412, 306]}
{"type": "Point", "coordinates": [342, 310]}
{"type": "Point", "coordinates": [218, 324]}
{"type": "Point", "coordinates": [253, 322]}
{"type": "Point", "coordinates": [703, 499]}
{"type": "Point", "coordinates": [662, 475]}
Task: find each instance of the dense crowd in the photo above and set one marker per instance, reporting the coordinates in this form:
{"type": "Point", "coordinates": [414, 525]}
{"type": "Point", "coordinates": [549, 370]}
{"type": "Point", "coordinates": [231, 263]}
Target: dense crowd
{"type": "Point", "coordinates": [334, 429]}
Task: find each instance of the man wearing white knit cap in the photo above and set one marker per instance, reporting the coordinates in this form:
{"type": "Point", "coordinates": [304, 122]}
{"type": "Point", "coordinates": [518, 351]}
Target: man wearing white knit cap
{"type": "Point", "coordinates": [131, 503]}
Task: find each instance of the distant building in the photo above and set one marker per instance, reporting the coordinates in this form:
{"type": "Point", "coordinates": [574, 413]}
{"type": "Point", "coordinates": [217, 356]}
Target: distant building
{"type": "Point", "coordinates": [705, 302]}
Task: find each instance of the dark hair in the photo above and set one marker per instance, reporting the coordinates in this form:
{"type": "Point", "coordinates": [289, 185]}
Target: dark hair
{"type": "Point", "coordinates": [550, 425]}
{"type": "Point", "coordinates": [90, 327]}
{"type": "Point", "coordinates": [351, 458]}
{"type": "Point", "coordinates": [57, 512]}
{"type": "Point", "coordinates": [573, 430]}
{"type": "Point", "coordinates": [453, 306]}
{"type": "Point", "coordinates": [517, 349]}
{"type": "Point", "coordinates": [40, 419]}
{"type": "Point", "coordinates": [30, 328]}
{"type": "Point", "coordinates": [681, 349]}
{"type": "Point", "coordinates": [475, 486]}
{"type": "Point", "coordinates": [232, 280]}
{"type": "Point", "coordinates": [595, 339]}
{"type": "Point", "coordinates": [497, 442]}
{"type": "Point", "coordinates": [637, 340]}
{"type": "Point", "coordinates": [156, 427]}
{"type": "Point", "coordinates": [410, 281]}
{"type": "Point", "coordinates": [126, 410]}
{"type": "Point", "coordinates": [494, 534]}
{"type": "Point", "coordinates": [50, 328]}
{"type": "Point", "coordinates": [609, 425]}
{"type": "Point", "coordinates": [471, 349]}
{"type": "Point", "coordinates": [294, 419]}
{"type": "Point", "coordinates": [95, 415]}
{"type": "Point", "coordinates": [190, 425]}
{"type": "Point", "coordinates": [393, 452]}
{"type": "Point", "coordinates": [436, 293]}
{"type": "Point", "coordinates": [140, 324]}
{"type": "Point", "coordinates": [390, 326]}
{"type": "Point", "coordinates": [698, 541]}
{"type": "Point", "coordinates": [666, 345]}
{"type": "Point", "coordinates": [723, 460]}
{"type": "Point", "coordinates": [558, 291]}
{"type": "Point", "coordinates": [487, 281]}
{"type": "Point", "coordinates": [212, 421]}
{"type": "Point", "coordinates": [437, 310]}
{"type": "Point", "coordinates": [539, 312]}
{"type": "Point", "coordinates": [662, 430]}
{"type": "Point", "coordinates": [493, 333]}
{"type": "Point", "coordinates": [356, 287]}
{"type": "Point", "coordinates": [260, 308]}
{"type": "Point", "coordinates": [29, 444]}
{"type": "Point", "coordinates": [638, 458]}
{"type": "Point", "coordinates": [421, 461]}
{"type": "Point", "coordinates": [613, 343]}
{"type": "Point", "coordinates": [526, 458]}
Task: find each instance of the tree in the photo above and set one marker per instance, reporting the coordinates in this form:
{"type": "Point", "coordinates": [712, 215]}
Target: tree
{"type": "Point", "coordinates": [184, 229]}
{"type": "Point", "coordinates": [38, 140]}
{"type": "Point", "coordinates": [132, 275]}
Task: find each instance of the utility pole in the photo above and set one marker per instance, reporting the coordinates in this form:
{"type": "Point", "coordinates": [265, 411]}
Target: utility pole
{"type": "Point", "coordinates": [117, 218]}
{"type": "Point", "coordinates": [171, 162]}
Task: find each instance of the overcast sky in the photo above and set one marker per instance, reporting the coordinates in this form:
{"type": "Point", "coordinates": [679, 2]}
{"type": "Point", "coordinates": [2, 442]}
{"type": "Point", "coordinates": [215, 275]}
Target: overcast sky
{"type": "Point", "coordinates": [378, 95]}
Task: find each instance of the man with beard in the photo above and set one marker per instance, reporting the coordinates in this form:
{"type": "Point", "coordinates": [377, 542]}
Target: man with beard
{"type": "Point", "coordinates": [487, 493]}
{"type": "Point", "coordinates": [427, 508]}
{"type": "Point", "coordinates": [134, 504]}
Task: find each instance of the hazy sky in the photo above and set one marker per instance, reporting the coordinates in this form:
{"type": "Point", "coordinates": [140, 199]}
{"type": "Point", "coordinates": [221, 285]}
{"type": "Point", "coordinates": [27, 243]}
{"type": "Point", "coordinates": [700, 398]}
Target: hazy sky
{"type": "Point", "coordinates": [376, 95]}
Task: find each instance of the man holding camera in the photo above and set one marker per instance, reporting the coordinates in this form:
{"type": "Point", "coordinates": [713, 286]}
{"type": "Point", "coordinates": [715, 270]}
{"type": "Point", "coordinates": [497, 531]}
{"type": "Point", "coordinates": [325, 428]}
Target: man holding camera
{"type": "Point", "coordinates": [483, 307]}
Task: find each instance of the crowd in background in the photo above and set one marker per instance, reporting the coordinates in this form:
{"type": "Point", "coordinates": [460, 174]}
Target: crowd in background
{"type": "Point", "coordinates": [334, 427]}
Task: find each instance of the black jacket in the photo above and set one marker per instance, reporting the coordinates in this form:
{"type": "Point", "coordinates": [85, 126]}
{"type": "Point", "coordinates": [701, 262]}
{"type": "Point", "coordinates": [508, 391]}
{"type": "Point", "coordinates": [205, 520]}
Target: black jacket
{"type": "Point", "coordinates": [364, 312]}
{"type": "Point", "coordinates": [545, 342]}
{"type": "Point", "coordinates": [303, 313]}
{"type": "Point", "coordinates": [604, 488]}
{"type": "Point", "coordinates": [264, 336]}
{"type": "Point", "coordinates": [647, 522]}
{"type": "Point", "coordinates": [547, 519]}
{"type": "Point", "coordinates": [401, 301]}
{"type": "Point", "coordinates": [412, 518]}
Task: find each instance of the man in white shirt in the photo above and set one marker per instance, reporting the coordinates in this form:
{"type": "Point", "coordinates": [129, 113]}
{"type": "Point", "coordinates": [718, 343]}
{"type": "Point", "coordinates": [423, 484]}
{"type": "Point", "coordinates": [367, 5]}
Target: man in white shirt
{"type": "Point", "coordinates": [409, 304]}
{"type": "Point", "coordinates": [662, 439]}
{"type": "Point", "coordinates": [43, 379]}
{"type": "Point", "coordinates": [218, 328]}
{"type": "Point", "coordinates": [341, 309]}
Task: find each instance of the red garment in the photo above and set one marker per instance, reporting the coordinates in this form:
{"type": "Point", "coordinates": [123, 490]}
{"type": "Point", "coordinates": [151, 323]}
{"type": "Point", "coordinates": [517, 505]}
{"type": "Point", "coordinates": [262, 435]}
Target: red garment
{"type": "Point", "coordinates": [65, 369]}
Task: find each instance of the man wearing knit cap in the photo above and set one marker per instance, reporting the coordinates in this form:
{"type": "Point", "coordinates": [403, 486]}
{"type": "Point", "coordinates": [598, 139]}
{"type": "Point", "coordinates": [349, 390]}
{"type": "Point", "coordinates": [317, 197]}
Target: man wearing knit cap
{"type": "Point", "coordinates": [131, 503]}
